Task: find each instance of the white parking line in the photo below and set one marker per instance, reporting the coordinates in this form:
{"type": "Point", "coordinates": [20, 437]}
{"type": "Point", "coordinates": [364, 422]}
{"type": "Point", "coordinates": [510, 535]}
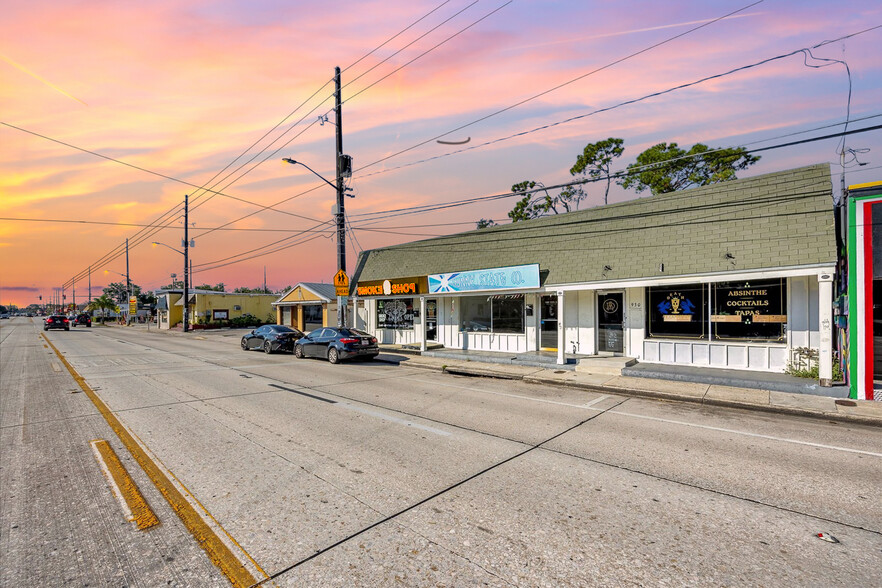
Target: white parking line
{"type": "Point", "coordinates": [393, 419]}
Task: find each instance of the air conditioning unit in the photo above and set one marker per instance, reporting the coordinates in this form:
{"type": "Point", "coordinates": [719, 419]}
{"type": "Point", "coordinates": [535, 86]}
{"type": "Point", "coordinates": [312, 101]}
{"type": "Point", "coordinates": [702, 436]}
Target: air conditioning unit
{"type": "Point", "coordinates": [237, 307]}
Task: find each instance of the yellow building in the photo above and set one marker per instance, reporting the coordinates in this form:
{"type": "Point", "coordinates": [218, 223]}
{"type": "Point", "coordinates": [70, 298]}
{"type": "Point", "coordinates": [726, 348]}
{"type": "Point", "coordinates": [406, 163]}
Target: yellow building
{"type": "Point", "coordinates": [210, 307]}
{"type": "Point", "coordinates": [307, 306]}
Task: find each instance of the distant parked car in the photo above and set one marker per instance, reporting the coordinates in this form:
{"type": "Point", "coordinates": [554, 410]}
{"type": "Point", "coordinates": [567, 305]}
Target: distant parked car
{"type": "Point", "coordinates": [4, 315]}
{"type": "Point", "coordinates": [56, 321]}
{"type": "Point", "coordinates": [271, 338]}
{"type": "Point", "coordinates": [336, 344]}
{"type": "Point", "coordinates": [82, 319]}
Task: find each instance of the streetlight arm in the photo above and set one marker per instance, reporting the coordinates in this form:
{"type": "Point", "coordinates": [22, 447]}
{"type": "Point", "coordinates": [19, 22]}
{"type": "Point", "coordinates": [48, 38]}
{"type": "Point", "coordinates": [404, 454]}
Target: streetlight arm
{"type": "Point", "coordinates": [322, 178]}
{"type": "Point", "coordinates": [168, 247]}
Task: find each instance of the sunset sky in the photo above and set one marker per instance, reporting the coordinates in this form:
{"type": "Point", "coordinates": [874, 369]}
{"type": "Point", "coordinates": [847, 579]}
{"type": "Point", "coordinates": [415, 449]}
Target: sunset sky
{"type": "Point", "coordinates": [172, 92]}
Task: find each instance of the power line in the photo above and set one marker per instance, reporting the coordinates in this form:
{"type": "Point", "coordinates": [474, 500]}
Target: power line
{"type": "Point", "coordinates": [615, 106]}
{"type": "Point", "coordinates": [559, 86]}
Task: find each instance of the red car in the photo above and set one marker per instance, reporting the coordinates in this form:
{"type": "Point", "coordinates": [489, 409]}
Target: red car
{"type": "Point", "coordinates": [56, 321]}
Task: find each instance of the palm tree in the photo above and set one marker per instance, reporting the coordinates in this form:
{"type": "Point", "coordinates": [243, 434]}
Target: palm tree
{"type": "Point", "coordinates": [103, 303]}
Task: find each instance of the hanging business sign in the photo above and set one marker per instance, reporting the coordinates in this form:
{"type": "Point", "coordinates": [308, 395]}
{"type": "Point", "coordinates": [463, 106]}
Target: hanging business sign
{"type": "Point", "coordinates": [501, 278]}
{"type": "Point", "coordinates": [392, 287]}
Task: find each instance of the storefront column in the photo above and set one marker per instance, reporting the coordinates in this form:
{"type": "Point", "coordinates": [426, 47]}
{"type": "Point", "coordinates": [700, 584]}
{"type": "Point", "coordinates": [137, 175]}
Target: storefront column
{"type": "Point", "coordinates": [422, 327]}
{"type": "Point", "coordinates": [825, 326]}
{"type": "Point", "coordinates": [561, 330]}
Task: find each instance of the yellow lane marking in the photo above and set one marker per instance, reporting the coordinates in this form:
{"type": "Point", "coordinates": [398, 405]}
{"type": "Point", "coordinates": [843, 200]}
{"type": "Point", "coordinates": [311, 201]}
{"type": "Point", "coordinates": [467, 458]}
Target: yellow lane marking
{"type": "Point", "coordinates": [131, 500]}
{"type": "Point", "coordinates": [214, 547]}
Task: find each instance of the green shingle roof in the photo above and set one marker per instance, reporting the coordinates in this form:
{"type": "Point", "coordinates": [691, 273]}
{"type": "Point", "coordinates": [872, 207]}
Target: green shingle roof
{"type": "Point", "coordinates": [777, 220]}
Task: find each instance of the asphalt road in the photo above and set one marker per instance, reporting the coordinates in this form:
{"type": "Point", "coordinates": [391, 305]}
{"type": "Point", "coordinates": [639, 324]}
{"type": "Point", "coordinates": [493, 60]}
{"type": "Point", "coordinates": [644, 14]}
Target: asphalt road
{"type": "Point", "coordinates": [369, 474]}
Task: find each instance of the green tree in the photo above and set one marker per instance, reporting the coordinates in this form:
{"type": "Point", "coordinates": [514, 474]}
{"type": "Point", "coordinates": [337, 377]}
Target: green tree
{"type": "Point", "coordinates": [103, 303]}
{"type": "Point", "coordinates": [118, 292]}
{"type": "Point", "coordinates": [246, 290]}
{"type": "Point", "coordinates": [595, 161]}
{"type": "Point", "coordinates": [533, 204]}
{"type": "Point", "coordinates": [484, 223]}
{"type": "Point", "coordinates": [666, 168]}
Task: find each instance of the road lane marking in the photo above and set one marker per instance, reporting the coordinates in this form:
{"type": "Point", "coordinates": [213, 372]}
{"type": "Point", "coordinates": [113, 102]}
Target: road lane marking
{"type": "Point", "coordinates": [590, 406]}
{"type": "Point", "coordinates": [745, 433]}
{"type": "Point", "coordinates": [132, 502]}
{"type": "Point", "coordinates": [208, 540]}
{"type": "Point", "coordinates": [393, 419]}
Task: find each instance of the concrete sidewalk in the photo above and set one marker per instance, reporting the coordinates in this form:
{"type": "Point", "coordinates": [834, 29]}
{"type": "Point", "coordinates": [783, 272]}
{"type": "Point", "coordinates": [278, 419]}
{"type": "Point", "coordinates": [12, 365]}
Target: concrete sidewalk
{"type": "Point", "coordinates": [755, 398]}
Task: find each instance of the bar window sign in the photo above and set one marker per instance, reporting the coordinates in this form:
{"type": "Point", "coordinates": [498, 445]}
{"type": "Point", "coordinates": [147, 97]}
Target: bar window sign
{"type": "Point", "coordinates": [754, 310]}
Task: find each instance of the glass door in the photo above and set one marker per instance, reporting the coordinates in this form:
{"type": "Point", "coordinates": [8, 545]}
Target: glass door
{"type": "Point", "coordinates": [548, 323]}
{"type": "Point", "coordinates": [431, 320]}
{"type": "Point", "coordinates": [610, 322]}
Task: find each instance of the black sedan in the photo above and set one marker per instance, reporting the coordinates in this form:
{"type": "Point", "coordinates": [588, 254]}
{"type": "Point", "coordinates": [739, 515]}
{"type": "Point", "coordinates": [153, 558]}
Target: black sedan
{"type": "Point", "coordinates": [337, 344]}
{"type": "Point", "coordinates": [271, 338]}
{"type": "Point", "coordinates": [82, 319]}
{"type": "Point", "coordinates": [56, 321]}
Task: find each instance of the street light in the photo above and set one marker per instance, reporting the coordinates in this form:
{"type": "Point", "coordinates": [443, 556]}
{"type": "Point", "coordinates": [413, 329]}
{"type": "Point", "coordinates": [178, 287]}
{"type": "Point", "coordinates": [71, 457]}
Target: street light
{"type": "Point", "coordinates": [344, 169]}
{"type": "Point", "coordinates": [128, 289]}
{"type": "Point", "coordinates": [186, 245]}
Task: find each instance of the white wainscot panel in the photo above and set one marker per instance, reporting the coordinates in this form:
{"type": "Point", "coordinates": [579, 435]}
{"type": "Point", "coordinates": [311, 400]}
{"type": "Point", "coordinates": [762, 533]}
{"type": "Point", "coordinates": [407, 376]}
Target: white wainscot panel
{"type": "Point", "coordinates": [758, 358]}
{"type": "Point", "coordinates": [491, 342]}
{"type": "Point", "coordinates": [666, 352]}
{"type": "Point", "coordinates": [700, 354]}
{"type": "Point", "coordinates": [777, 359]}
{"type": "Point", "coordinates": [718, 357]}
{"type": "Point", "coordinates": [683, 352]}
{"type": "Point", "coordinates": [737, 356]}
{"type": "Point", "coordinates": [650, 350]}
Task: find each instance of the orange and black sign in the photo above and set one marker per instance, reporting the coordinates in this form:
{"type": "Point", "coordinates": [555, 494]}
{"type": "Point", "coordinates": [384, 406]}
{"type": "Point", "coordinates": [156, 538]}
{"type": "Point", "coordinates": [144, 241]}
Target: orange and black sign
{"type": "Point", "coordinates": [394, 287]}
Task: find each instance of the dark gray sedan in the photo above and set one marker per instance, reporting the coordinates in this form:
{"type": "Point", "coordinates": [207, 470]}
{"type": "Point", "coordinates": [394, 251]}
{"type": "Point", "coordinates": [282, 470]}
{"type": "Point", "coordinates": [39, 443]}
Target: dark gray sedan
{"type": "Point", "coordinates": [336, 344]}
{"type": "Point", "coordinates": [271, 338]}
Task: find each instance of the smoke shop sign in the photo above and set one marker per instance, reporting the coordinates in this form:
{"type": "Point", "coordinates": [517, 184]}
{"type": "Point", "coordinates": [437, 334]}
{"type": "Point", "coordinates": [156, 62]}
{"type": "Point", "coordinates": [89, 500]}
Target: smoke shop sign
{"type": "Point", "coordinates": [396, 287]}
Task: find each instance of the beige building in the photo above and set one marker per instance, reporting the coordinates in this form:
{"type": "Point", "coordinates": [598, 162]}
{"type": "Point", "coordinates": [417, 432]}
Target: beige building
{"type": "Point", "coordinates": [208, 306]}
{"type": "Point", "coordinates": [307, 306]}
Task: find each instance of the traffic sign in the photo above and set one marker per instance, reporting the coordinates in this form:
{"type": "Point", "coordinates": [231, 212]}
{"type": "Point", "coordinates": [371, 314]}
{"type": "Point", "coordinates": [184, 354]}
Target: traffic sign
{"type": "Point", "coordinates": [341, 282]}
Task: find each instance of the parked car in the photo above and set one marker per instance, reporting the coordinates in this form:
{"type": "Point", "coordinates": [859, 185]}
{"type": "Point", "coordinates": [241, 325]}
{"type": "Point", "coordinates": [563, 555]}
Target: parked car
{"type": "Point", "coordinates": [82, 319]}
{"type": "Point", "coordinates": [271, 338]}
{"type": "Point", "coordinates": [337, 344]}
{"type": "Point", "coordinates": [4, 315]}
{"type": "Point", "coordinates": [56, 321]}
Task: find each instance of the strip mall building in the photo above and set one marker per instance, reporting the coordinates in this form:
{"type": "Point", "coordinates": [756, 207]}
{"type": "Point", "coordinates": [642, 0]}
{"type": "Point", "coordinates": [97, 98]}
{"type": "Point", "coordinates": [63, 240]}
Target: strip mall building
{"type": "Point", "coordinates": [737, 275]}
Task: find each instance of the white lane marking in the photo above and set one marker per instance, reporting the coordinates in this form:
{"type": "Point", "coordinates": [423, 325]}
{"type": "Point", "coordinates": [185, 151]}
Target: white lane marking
{"type": "Point", "coordinates": [519, 396]}
{"type": "Point", "coordinates": [127, 512]}
{"type": "Point", "coordinates": [393, 419]}
{"type": "Point", "coordinates": [744, 433]}
{"type": "Point", "coordinates": [661, 420]}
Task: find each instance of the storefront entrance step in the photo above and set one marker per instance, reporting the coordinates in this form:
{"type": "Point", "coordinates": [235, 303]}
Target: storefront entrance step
{"type": "Point", "coordinates": [736, 378]}
{"type": "Point", "coordinates": [601, 364]}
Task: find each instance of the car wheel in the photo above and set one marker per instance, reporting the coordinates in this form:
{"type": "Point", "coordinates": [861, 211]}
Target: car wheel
{"type": "Point", "coordinates": [267, 347]}
{"type": "Point", "coordinates": [244, 344]}
{"type": "Point", "coordinates": [45, 328]}
{"type": "Point", "coordinates": [298, 351]}
{"type": "Point", "coordinates": [67, 328]}
{"type": "Point", "coordinates": [333, 356]}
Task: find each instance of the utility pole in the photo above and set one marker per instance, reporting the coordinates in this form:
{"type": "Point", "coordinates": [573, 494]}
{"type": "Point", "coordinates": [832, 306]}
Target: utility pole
{"type": "Point", "coordinates": [341, 224]}
{"type": "Point", "coordinates": [186, 262]}
{"type": "Point", "coordinates": [128, 284]}
{"type": "Point", "coordinates": [90, 283]}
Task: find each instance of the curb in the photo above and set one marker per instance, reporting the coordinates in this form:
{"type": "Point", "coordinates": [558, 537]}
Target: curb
{"type": "Point", "coordinates": [478, 371]}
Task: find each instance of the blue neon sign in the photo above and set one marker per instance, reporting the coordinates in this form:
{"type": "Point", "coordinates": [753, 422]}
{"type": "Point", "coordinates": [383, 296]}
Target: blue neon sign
{"type": "Point", "coordinates": [499, 278]}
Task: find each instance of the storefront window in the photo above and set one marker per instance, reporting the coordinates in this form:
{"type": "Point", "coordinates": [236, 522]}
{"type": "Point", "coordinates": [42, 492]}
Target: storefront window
{"type": "Point", "coordinates": [496, 314]}
{"type": "Point", "coordinates": [396, 313]}
{"type": "Point", "coordinates": [754, 310]}
{"type": "Point", "coordinates": [312, 317]}
{"type": "Point", "coordinates": [678, 311]}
